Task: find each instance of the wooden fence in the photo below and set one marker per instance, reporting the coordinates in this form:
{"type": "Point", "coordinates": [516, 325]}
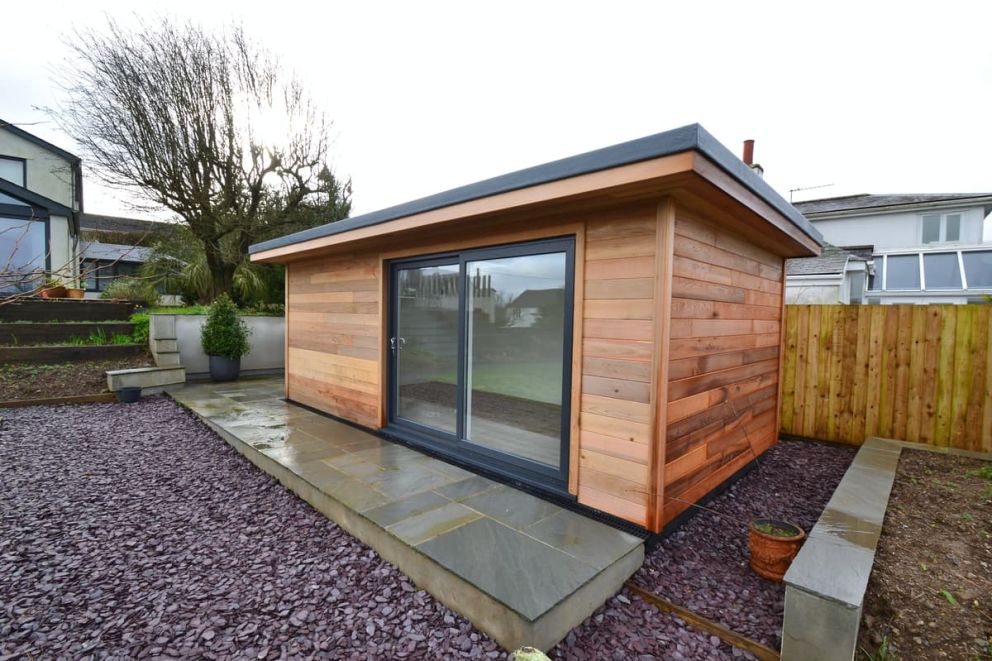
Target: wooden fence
{"type": "Point", "coordinates": [910, 372]}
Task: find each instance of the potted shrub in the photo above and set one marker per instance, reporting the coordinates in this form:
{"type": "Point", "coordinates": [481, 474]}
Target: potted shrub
{"type": "Point", "coordinates": [774, 545]}
{"type": "Point", "coordinates": [53, 288]}
{"type": "Point", "coordinates": [225, 339]}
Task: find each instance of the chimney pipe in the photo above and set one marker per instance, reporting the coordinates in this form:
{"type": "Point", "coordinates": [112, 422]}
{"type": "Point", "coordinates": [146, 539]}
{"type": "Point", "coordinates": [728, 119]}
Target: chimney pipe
{"type": "Point", "coordinates": [748, 152]}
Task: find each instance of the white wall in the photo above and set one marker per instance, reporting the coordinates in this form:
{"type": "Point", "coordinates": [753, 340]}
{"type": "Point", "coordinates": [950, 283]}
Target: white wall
{"type": "Point", "coordinates": [267, 342]}
{"type": "Point", "coordinates": [60, 249]}
{"type": "Point", "coordinates": [47, 174]}
{"type": "Point", "coordinates": [892, 231]}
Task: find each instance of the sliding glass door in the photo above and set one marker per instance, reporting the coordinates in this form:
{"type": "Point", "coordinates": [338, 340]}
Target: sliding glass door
{"type": "Point", "coordinates": [480, 352]}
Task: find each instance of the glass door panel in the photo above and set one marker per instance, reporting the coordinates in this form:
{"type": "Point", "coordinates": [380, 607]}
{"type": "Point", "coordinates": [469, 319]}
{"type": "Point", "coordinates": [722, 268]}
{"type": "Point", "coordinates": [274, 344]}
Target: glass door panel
{"type": "Point", "coordinates": [515, 352]}
{"type": "Point", "coordinates": [425, 345]}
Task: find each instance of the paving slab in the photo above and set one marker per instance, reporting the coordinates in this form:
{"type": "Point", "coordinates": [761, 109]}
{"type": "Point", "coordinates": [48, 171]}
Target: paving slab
{"type": "Point", "coordinates": [522, 569]}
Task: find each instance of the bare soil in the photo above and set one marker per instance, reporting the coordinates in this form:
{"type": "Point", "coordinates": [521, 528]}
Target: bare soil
{"type": "Point", "coordinates": [930, 593]}
{"type": "Point", "coordinates": [61, 380]}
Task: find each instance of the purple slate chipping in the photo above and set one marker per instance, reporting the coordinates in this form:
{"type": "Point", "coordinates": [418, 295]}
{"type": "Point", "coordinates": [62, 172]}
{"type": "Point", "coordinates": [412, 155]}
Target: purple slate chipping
{"type": "Point", "coordinates": [133, 529]}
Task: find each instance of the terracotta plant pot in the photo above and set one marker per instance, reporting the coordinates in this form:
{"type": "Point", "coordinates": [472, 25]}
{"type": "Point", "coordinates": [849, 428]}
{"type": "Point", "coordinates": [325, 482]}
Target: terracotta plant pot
{"type": "Point", "coordinates": [53, 292]}
{"type": "Point", "coordinates": [774, 545]}
{"type": "Point", "coordinates": [73, 292]}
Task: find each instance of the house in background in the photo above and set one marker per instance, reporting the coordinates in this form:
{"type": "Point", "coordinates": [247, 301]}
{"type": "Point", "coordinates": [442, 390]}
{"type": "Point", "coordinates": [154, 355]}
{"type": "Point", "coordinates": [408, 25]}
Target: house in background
{"type": "Point", "coordinates": [41, 197]}
{"type": "Point", "coordinates": [112, 247]}
{"type": "Point", "coordinates": [838, 275]}
{"type": "Point", "coordinates": [43, 229]}
{"type": "Point", "coordinates": [924, 248]}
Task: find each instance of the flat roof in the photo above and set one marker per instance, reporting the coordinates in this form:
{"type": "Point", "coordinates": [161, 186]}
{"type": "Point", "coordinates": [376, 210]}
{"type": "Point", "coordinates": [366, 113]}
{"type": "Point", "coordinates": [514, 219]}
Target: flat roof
{"type": "Point", "coordinates": [687, 138]}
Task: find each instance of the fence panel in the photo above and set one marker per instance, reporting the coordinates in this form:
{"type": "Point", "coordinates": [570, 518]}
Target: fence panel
{"type": "Point", "coordinates": [910, 372]}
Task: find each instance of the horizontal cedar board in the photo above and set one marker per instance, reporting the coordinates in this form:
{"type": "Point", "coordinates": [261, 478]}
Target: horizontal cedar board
{"type": "Point", "coordinates": [704, 382]}
{"type": "Point", "coordinates": [910, 372]}
{"type": "Point", "coordinates": [686, 367]}
{"type": "Point", "coordinates": [711, 291]}
{"type": "Point", "coordinates": [633, 471]}
{"type": "Point", "coordinates": [335, 400]}
{"type": "Point", "coordinates": [690, 268]}
{"type": "Point", "coordinates": [618, 248]}
{"type": "Point", "coordinates": [701, 346]}
{"type": "Point", "coordinates": [608, 502]}
{"type": "Point", "coordinates": [610, 425]}
{"type": "Point", "coordinates": [683, 328]}
{"type": "Point", "coordinates": [628, 370]}
{"type": "Point", "coordinates": [617, 408]}
{"type": "Point", "coordinates": [336, 297]}
{"type": "Point", "coordinates": [700, 252]}
{"type": "Point", "coordinates": [620, 309]}
{"type": "Point", "coordinates": [608, 269]}
{"type": "Point", "coordinates": [622, 349]}
{"type": "Point", "coordinates": [619, 329]}
{"type": "Point", "coordinates": [631, 450]}
{"type": "Point", "coordinates": [365, 308]}
{"type": "Point", "coordinates": [693, 404]}
{"type": "Point", "coordinates": [687, 308]}
{"type": "Point", "coordinates": [693, 228]}
{"type": "Point", "coordinates": [629, 490]}
{"type": "Point", "coordinates": [621, 288]}
{"type": "Point", "coordinates": [634, 391]}
{"type": "Point", "coordinates": [304, 286]}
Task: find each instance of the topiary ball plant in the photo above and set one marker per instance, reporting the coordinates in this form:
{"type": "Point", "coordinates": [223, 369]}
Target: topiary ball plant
{"type": "Point", "coordinates": [224, 334]}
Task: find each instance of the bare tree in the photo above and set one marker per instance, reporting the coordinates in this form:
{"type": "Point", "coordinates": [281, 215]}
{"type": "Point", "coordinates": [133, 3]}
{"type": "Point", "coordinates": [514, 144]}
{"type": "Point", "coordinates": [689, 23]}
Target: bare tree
{"type": "Point", "coordinates": [207, 125]}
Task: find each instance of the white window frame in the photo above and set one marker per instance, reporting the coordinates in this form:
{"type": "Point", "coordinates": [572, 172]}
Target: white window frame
{"type": "Point", "coordinates": [942, 234]}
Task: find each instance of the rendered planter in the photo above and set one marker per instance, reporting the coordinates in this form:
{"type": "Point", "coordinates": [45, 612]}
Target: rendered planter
{"type": "Point", "coordinates": [224, 369]}
{"type": "Point", "coordinates": [774, 545]}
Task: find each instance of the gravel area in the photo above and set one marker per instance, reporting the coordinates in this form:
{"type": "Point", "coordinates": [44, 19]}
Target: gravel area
{"type": "Point", "coordinates": [130, 531]}
{"type": "Point", "coordinates": [703, 566]}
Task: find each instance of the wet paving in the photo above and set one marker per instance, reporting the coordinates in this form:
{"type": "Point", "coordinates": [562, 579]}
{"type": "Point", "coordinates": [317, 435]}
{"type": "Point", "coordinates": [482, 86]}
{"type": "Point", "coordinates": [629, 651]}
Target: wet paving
{"type": "Point", "coordinates": [130, 531]}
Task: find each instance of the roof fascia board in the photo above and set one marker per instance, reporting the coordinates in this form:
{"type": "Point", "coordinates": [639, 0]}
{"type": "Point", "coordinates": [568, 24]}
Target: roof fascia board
{"type": "Point", "coordinates": [692, 138]}
{"type": "Point", "coordinates": [549, 192]}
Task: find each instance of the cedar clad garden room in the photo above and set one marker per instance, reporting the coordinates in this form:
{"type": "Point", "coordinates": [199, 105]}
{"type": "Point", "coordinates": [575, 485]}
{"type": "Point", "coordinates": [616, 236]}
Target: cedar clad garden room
{"type": "Point", "coordinates": [604, 329]}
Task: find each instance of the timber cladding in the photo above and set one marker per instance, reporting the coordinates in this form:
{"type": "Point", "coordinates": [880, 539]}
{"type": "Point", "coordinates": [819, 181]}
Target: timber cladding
{"type": "Point", "coordinates": [675, 349]}
{"type": "Point", "coordinates": [918, 373]}
{"type": "Point", "coordinates": [723, 359]}
{"type": "Point", "coordinates": [333, 336]}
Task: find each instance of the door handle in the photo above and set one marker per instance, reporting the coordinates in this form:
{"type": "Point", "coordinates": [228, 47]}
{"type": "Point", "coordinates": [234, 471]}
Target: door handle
{"type": "Point", "coordinates": [396, 343]}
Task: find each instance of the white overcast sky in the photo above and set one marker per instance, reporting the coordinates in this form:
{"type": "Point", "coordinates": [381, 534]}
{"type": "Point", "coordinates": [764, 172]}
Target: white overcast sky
{"type": "Point", "coordinates": [867, 96]}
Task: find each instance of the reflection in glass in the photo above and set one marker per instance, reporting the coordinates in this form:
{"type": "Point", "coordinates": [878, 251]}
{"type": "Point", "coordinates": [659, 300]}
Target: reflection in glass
{"type": "Point", "coordinates": [426, 345]}
{"type": "Point", "coordinates": [942, 270]}
{"type": "Point", "coordinates": [515, 364]}
{"type": "Point", "coordinates": [902, 272]}
{"type": "Point", "coordinates": [22, 252]}
{"type": "Point", "coordinates": [978, 268]}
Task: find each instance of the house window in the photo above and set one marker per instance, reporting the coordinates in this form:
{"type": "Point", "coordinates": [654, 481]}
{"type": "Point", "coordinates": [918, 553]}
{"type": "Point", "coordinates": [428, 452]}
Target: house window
{"type": "Point", "coordinates": [902, 272]}
{"type": "Point", "coordinates": [978, 268]}
{"type": "Point", "coordinates": [12, 169]}
{"type": "Point", "coordinates": [98, 274]}
{"type": "Point", "coordinates": [942, 271]}
{"type": "Point", "coordinates": [22, 253]}
{"type": "Point", "coordinates": [941, 228]}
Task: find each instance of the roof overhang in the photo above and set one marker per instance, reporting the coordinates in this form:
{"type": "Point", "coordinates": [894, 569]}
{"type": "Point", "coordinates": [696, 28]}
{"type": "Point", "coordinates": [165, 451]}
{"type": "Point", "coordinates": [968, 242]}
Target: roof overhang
{"type": "Point", "coordinates": [686, 163]}
{"type": "Point", "coordinates": [33, 200]}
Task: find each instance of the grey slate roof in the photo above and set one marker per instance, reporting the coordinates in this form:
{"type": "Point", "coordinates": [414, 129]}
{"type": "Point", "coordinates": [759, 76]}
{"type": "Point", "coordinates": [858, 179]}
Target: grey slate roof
{"type": "Point", "coordinates": [832, 260]}
{"type": "Point", "coordinates": [97, 222]}
{"type": "Point", "coordinates": [865, 201]}
{"type": "Point", "coordinates": [687, 138]}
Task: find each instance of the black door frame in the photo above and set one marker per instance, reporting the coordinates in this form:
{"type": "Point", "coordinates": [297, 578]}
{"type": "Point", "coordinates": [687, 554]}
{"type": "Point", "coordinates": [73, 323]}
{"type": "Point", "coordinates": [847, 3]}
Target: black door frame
{"type": "Point", "coordinates": [533, 473]}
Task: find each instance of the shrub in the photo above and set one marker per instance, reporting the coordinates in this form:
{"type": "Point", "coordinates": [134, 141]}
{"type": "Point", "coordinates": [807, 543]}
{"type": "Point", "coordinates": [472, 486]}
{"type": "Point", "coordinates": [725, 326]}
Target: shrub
{"type": "Point", "coordinates": [139, 327]}
{"type": "Point", "coordinates": [224, 333]}
{"type": "Point", "coordinates": [134, 290]}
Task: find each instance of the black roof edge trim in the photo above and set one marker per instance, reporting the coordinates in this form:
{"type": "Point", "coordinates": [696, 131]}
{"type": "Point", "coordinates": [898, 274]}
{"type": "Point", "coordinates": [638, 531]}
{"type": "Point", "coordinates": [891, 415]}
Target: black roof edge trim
{"type": "Point", "coordinates": [692, 137]}
{"type": "Point", "coordinates": [31, 137]}
{"type": "Point", "coordinates": [34, 199]}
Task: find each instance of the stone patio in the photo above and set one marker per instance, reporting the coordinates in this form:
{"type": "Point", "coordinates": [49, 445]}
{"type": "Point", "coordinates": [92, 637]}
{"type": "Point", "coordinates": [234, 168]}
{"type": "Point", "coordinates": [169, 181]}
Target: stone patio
{"type": "Point", "coordinates": [522, 569]}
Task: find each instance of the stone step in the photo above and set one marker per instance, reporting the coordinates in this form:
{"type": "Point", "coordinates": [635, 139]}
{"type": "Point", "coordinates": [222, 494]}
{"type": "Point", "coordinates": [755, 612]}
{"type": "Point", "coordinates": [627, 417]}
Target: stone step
{"type": "Point", "coordinates": [149, 379]}
{"type": "Point", "coordinates": [165, 346]}
{"type": "Point", "coordinates": [168, 359]}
